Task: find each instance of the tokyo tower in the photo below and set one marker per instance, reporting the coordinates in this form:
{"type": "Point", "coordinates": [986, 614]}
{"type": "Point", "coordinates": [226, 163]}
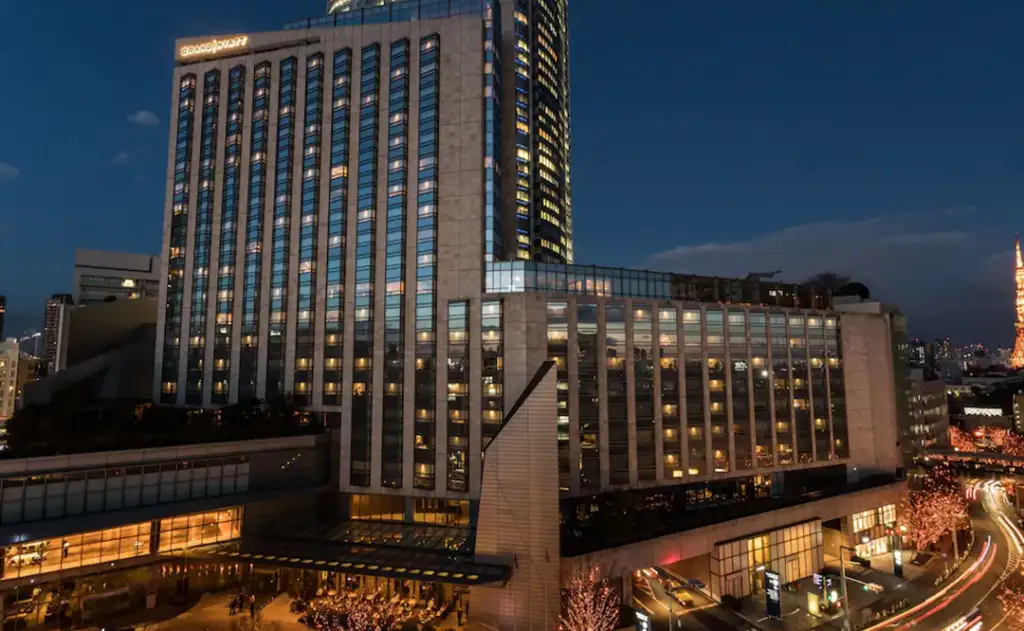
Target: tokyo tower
{"type": "Point", "coordinates": [1017, 358]}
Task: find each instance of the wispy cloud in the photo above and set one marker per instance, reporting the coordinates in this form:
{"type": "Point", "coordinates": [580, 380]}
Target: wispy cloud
{"type": "Point", "coordinates": [949, 280]}
{"type": "Point", "coordinates": [144, 118]}
{"type": "Point", "coordinates": [8, 171]}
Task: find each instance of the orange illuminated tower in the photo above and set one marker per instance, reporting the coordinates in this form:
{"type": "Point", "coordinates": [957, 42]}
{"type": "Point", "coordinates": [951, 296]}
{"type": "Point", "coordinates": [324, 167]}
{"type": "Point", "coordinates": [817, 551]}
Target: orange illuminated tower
{"type": "Point", "coordinates": [1017, 358]}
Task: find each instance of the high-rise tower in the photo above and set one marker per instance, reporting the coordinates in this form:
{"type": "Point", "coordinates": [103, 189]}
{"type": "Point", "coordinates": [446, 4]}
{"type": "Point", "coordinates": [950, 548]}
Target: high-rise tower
{"type": "Point", "coordinates": [1017, 358]}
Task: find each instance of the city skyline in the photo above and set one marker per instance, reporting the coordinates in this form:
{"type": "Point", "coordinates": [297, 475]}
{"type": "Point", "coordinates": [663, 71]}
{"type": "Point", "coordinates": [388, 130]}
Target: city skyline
{"type": "Point", "coordinates": [828, 166]}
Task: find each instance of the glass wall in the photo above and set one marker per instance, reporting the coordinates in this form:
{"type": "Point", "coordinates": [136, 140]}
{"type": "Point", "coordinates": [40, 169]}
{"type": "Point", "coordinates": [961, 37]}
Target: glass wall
{"type": "Point", "coordinates": [277, 340]}
{"type": "Point", "coordinates": [426, 264]}
{"type": "Point", "coordinates": [365, 260]}
{"type": "Point", "coordinates": [251, 292]}
{"type": "Point", "coordinates": [33, 498]}
{"type": "Point", "coordinates": [458, 395]}
{"type": "Point", "coordinates": [837, 388]}
{"type": "Point", "coordinates": [504, 277]}
{"type": "Point", "coordinates": [189, 531]}
{"type": "Point", "coordinates": [203, 237]}
{"type": "Point", "coordinates": [305, 316]}
{"type": "Point", "coordinates": [801, 389]}
{"type": "Point", "coordinates": [781, 388]}
{"type": "Point", "coordinates": [493, 247]}
{"type": "Point", "coordinates": [714, 340]}
{"type": "Point", "coordinates": [795, 552]}
{"type": "Point", "coordinates": [393, 411]}
{"type": "Point", "coordinates": [33, 558]}
{"type": "Point", "coordinates": [228, 236]}
{"type": "Point", "coordinates": [643, 392]}
{"type": "Point", "coordinates": [819, 389]}
{"type": "Point", "coordinates": [671, 421]}
{"type": "Point", "coordinates": [760, 377]}
{"type": "Point", "coordinates": [337, 214]}
{"type": "Point", "coordinates": [492, 370]}
{"type": "Point", "coordinates": [618, 400]}
{"type": "Point", "coordinates": [178, 239]}
{"type": "Point", "coordinates": [558, 352]}
{"type": "Point", "coordinates": [588, 351]}
{"type": "Point", "coordinates": [739, 373]}
{"type": "Point", "coordinates": [693, 341]}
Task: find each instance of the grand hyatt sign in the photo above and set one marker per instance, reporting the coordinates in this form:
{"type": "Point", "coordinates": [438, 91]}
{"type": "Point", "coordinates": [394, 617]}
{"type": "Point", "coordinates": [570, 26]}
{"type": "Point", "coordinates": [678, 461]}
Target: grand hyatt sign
{"type": "Point", "coordinates": [213, 47]}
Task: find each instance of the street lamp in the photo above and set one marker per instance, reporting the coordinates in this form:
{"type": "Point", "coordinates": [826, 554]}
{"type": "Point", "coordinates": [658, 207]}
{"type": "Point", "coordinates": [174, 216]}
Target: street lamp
{"type": "Point", "coordinates": [842, 582]}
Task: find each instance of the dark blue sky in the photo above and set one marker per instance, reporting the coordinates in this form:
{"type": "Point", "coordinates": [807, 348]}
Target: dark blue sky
{"type": "Point", "coordinates": [875, 138]}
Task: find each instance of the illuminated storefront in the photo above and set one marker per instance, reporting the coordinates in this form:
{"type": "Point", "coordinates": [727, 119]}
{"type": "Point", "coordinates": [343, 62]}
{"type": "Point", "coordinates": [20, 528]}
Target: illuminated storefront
{"type": "Point", "coordinates": [794, 552]}
{"type": "Point", "coordinates": [872, 530]}
{"type": "Point", "coordinates": [80, 550]}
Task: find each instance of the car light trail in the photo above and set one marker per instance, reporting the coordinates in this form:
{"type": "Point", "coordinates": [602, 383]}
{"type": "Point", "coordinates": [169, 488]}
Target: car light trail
{"type": "Point", "coordinates": [986, 558]}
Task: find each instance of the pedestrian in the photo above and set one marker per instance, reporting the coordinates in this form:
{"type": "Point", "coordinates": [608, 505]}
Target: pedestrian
{"type": "Point", "coordinates": [459, 616]}
{"type": "Point", "coordinates": [231, 610]}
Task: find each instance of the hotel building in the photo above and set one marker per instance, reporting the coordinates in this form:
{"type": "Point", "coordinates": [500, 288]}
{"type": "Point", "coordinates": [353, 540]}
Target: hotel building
{"type": "Point", "coordinates": [341, 227]}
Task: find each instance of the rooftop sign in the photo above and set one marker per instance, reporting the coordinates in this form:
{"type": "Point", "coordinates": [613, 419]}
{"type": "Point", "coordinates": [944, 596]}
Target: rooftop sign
{"type": "Point", "coordinates": [213, 47]}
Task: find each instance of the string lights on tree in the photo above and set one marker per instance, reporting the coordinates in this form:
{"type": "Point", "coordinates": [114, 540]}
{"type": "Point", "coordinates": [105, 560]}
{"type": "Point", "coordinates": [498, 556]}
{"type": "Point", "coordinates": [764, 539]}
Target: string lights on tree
{"type": "Point", "coordinates": [1012, 599]}
{"type": "Point", "coordinates": [961, 440]}
{"type": "Point", "coordinates": [590, 603]}
{"type": "Point", "coordinates": [339, 613]}
{"type": "Point", "coordinates": [937, 508]}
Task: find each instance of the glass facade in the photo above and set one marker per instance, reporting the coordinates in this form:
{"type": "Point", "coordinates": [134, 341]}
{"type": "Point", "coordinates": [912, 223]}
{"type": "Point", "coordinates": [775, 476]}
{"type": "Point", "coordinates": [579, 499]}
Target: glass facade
{"type": "Point", "coordinates": [43, 556]}
{"type": "Point", "coordinates": [365, 261]}
{"type": "Point", "coordinates": [493, 246]}
{"type": "Point", "coordinates": [643, 392]}
{"type": "Point", "coordinates": [668, 369]}
{"type": "Point", "coordinates": [507, 277]}
{"type": "Point", "coordinates": [394, 272]}
{"type": "Point", "coordinates": [426, 265]}
{"type": "Point", "coordinates": [739, 377]}
{"type": "Point", "coordinates": [492, 370]}
{"type": "Point", "coordinates": [837, 388]}
{"type": "Point", "coordinates": [588, 401]}
{"type": "Point", "coordinates": [718, 400]}
{"type": "Point", "coordinates": [178, 239]}
{"type": "Point", "coordinates": [696, 433]}
{"type": "Point", "coordinates": [781, 390]}
{"type": "Point", "coordinates": [801, 389]}
{"type": "Point", "coordinates": [305, 314]}
{"type": "Point", "coordinates": [203, 240]}
{"type": "Point", "coordinates": [277, 327]}
{"type": "Point", "coordinates": [558, 352]}
{"type": "Point", "coordinates": [458, 396]}
{"type": "Point", "coordinates": [760, 378]}
{"type": "Point", "coordinates": [618, 393]}
{"type": "Point", "coordinates": [795, 552]}
{"type": "Point", "coordinates": [251, 291]}
{"type": "Point", "coordinates": [228, 236]}
{"type": "Point", "coordinates": [337, 213]}
{"type": "Point", "coordinates": [188, 531]}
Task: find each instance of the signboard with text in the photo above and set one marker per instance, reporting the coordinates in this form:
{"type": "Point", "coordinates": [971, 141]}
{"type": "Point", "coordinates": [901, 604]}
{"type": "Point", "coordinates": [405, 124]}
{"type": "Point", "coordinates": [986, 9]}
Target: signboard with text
{"type": "Point", "coordinates": [773, 594]}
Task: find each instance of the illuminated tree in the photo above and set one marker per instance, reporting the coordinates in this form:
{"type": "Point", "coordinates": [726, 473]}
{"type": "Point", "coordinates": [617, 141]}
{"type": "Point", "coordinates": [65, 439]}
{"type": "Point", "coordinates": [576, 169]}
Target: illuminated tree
{"type": "Point", "coordinates": [1012, 600]}
{"type": "Point", "coordinates": [961, 440]}
{"type": "Point", "coordinates": [338, 613]}
{"type": "Point", "coordinates": [590, 603]}
{"type": "Point", "coordinates": [936, 508]}
{"type": "Point", "coordinates": [1013, 445]}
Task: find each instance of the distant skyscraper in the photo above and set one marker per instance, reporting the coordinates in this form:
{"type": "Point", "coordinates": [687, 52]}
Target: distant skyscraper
{"type": "Point", "coordinates": [1017, 358]}
{"type": "Point", "coordinates": [51, 326]}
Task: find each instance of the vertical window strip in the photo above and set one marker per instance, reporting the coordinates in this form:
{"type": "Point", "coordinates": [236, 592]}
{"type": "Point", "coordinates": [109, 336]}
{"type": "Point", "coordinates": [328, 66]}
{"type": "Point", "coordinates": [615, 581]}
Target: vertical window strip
{"type": "Point", "coordinates": [587, 353]}
{"type": "Point", "coordinates": [228, 235]}
{"type": "Point", "coordinates": [277, 340]}
{"type": "Point", "coordinates": [458, 395]}
{"type": "Point", "coordinates": [558, 352]}
{"type": "Point", "coordinates": [618, 415]}
{"type": "Point", "coordinates": [178, 238]}
{"type": "Point", "coordinates": [305, 313]}
{"type": "Point", "coordinates": [695, 384]}
{"type": "Point", "coordinates": [203, 239]}
{"type": "Point", "coordinates": [782, 392]}
{"type": "Point", "coordinates": [671, 422]}
{"type": "Point", "coordinates": [336, 222]}
{"type": "Point", "coordinates": [394, 272]}
{"type": "Point", "coordinates": [643, 392]}
{"type": "Point", "coordinates": [739, 371]}
{"type": "Point", "coordinates": [493, 371]}
{"type": "Point", "coordinates": [524, 132]}
{"type": "Point", "coordinates": [366, 227]}
{"type": "Point", "coordinates": [251, 298]}
{"type": "Point", "coordinates": [426, 267]}
{"type": "Point", "coordinates": [493, 247]}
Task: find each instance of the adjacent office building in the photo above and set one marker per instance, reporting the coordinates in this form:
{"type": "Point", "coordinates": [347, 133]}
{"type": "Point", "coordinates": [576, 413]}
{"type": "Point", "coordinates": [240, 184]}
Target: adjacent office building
{"type": "Point", "coordinates": [10, 356]}
{"type": "Point", "coordinates": [52, 318]}
{"type": "Point", "coordinates": [371, 212]}
{"type": "Point", "coordinates": [103, 276]}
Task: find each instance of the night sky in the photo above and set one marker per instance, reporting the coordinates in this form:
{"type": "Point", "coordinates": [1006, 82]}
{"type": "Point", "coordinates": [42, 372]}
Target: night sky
{"type": "Point", "coordinates": [878, 139]}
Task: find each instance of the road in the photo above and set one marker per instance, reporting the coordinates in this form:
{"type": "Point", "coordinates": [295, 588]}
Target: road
{"type": "Point", "coordinates": [996, 557]}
